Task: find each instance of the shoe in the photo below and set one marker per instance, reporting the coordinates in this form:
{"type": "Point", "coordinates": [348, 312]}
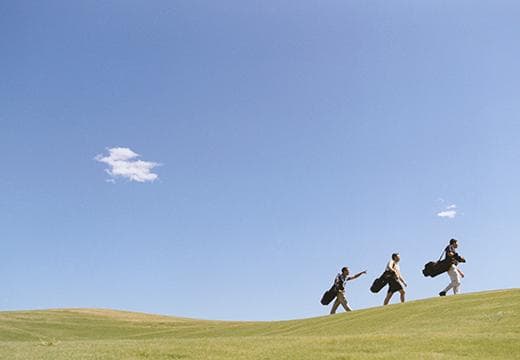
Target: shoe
{"type": "Point", "coordinates": [442, 293]}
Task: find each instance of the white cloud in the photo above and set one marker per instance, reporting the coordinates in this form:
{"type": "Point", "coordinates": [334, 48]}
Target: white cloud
{"type": "Point", "coordinates": [123, 163]}
{"type": "Point", "coordinates": [447, 214]}
{"type": "Point", "coordinates": [450, 212]}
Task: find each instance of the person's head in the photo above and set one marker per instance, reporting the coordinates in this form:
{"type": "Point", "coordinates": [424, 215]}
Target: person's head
{"type": "Point", "coordinates": [345, 271]}
{"type": "Point", "coordinates": [454, 243]}
{"type": "Point", "coordinates": [396, 257]}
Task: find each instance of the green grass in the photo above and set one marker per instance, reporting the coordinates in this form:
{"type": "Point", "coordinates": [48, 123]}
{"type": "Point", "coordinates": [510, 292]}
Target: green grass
{"type": "Point", "coordinates": [472, 326]}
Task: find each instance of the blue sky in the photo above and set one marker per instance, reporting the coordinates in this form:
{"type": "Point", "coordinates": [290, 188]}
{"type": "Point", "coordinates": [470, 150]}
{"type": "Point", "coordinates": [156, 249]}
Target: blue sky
{"type": "Point", "coordinates": [288, 139]}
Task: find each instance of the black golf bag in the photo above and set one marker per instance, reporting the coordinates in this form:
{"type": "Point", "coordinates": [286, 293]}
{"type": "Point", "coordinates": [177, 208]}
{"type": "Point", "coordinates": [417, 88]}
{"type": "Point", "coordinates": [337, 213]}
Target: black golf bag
{"type": "Point", "coordinates": [381, 281]}
{"type": "Point", "coordinates": [434, 268]}
{"type": "Point", "coordinates": [329, 295]}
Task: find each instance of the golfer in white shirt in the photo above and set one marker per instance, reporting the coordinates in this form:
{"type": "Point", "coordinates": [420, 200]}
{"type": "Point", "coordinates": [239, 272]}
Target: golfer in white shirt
{"type": "Point", "coordinates": [396, 281]}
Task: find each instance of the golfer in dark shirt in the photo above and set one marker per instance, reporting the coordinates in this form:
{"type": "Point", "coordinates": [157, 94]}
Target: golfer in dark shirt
{"type": "Point", "coordinates": [454, 272]}
{"type": "Point", "coordinates": [339, 282]}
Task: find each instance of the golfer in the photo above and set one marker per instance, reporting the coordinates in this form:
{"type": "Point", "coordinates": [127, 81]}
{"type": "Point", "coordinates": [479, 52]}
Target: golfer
{"type": "Point", "coordinates": [454, 272]}
{"type": "Point", "coordinates": [339, 283]}
{"type": "Point", "coordinates": [396, 281]}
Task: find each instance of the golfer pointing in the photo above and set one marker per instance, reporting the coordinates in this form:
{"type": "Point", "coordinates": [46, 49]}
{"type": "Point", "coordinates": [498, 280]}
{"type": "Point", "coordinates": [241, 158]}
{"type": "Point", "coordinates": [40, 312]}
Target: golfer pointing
{"type": "Point", "coordinates": [339, 283]}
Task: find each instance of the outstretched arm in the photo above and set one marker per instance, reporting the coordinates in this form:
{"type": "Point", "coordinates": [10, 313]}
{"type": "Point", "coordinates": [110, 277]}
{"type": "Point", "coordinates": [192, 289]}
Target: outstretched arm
{"type": "Point", "coordinates": [460, 272]}
{"type": "Point", "coordinates": [356, 276]}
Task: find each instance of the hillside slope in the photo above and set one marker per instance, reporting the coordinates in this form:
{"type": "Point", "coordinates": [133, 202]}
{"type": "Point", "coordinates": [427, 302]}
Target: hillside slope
{"type": "Point", "coordinates": [471, 326]}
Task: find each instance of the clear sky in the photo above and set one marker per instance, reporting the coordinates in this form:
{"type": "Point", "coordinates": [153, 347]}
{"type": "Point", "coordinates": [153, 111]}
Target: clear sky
{"type": "Point", "coordinates": [224, 159]}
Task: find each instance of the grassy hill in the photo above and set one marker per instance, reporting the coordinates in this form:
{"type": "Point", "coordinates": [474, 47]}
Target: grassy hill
{"type": "Point", "coordinates": [471, 326]}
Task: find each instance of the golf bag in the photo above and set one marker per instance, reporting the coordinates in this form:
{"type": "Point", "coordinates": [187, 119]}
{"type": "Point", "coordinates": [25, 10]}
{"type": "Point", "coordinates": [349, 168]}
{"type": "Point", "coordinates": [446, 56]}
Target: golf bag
{"type": "Point", "coordinates": [381, 282]}
{"type": "Point", "coordinates": [434, 268]}
{"type": "Point", "coordinates": [329, 295]}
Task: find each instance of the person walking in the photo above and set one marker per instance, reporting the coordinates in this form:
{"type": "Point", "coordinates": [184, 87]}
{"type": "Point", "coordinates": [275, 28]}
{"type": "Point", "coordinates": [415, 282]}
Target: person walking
{"type": "Point", "coordinates": [339, 283]}
{"type": "Point", "coordinates": [454, 272]}
{"type": "Point", "coordinates": [395, 281]}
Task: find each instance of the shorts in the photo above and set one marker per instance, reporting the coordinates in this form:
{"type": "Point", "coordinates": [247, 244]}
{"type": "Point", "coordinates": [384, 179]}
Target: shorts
{"type": "Point", "coordinates": [394, 285]}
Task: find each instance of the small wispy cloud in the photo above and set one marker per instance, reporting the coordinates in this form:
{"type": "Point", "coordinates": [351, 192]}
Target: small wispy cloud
{"type": "Point", "coordinates": [450, 212]}
{"type": "Point", "coordinates": [123, 163]}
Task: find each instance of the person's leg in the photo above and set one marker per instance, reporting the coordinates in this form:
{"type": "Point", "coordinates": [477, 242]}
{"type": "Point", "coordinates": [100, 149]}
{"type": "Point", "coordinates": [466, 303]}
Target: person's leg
{"type": "Point", "coordinates": [334, 306]}
{"type": "Point", "coordinates": [456, 289]}
{"type": "Point", "coordinates": [402, 295]}
{"type": "Point", "coordinates": [455, 280]}
{"type": "Point", "coordinates": [451, 273]}
{"type": "Point", "coordinates": [388, 297]}
{"type": "Point", "coordinates": [343, 302]}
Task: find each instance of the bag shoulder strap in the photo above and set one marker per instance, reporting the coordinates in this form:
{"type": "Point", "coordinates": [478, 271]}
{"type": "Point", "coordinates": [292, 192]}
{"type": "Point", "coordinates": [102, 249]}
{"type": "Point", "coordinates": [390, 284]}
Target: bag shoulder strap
{"type": "Point", "coordinates": [442, 254]}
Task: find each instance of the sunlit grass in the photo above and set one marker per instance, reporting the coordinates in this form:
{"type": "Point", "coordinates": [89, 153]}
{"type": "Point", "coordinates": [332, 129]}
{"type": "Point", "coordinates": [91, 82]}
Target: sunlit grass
{"type": "Point", "coordinates": [472, 326]}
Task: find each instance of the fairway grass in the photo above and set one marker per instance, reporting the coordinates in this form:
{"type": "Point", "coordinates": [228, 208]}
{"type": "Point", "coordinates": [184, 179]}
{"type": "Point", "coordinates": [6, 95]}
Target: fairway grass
{"type": "Point", "coordinates": [471, 326]}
